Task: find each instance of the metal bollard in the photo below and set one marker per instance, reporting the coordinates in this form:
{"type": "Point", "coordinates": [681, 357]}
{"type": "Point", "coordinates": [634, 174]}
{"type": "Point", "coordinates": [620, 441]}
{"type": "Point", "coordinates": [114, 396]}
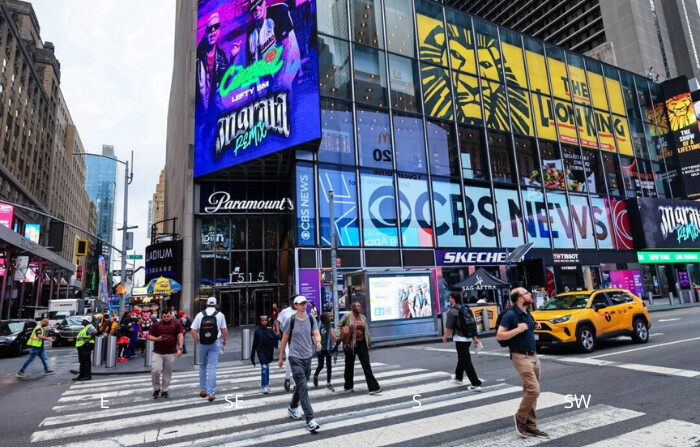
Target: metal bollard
{"type": "Point", "coordinates": [97, 353]}
{"type": "Point", "coordinates": [111, 359]}
{"type": "Point", "coordinates": [245, 344]}
{"type": "Point", "coordinates": [670, 298]}
{"type": "Point", "coordinates": [148, 357]}
{"type": "Point", "coordinates": [485, 319]}
{"type": "Point", "coordinates": [650, 294]}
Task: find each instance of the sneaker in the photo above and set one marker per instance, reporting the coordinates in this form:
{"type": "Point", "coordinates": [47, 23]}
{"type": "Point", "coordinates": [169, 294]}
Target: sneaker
{"type": "Point", "coordinates": [265, 389]}
{"type": "Point", "coordinates": [315, 381]}
{"type": "Point", "coordinates": [476, 389]}
{"type": "Point", "coordinates": [329, 387]}
{"type": "Point", "coordinates": [538, 433]}
{"type": "Point", "coordinates": [294, 413]}
{"type": "Point", "coordinates": [377, 391]}
{"type": "Point", "coordinates": [349, 390]}
{"type": "Point", "coordinates": [520, 428]}
{"type": "Point", "coordinates": [312, 425]}
{"type": "Point", "coordinates": [21, 374]}
{"type": "Point", "coordinates": [156, 393]}
{"type": "Point", "coordinates": [164, 395]}
{"type": "Point", "coordinates": [49, 372]}
{"type": "Point", "coordinates": [202, 394]}
{"type": "Point", "coordinates": [211, 398]}
{"type": "Point", "coordinates": [286, 385]}
{"type": "Point", "coordinates": [454, 380]}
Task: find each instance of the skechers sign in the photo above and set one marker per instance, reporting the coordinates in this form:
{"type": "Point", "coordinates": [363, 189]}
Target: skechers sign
{"type": "Point", "coordinates": [256, 80]}
{"type": "Point", "coordinates": [665, 223]}
{"type": "Point", "coordinates": [469, 257]}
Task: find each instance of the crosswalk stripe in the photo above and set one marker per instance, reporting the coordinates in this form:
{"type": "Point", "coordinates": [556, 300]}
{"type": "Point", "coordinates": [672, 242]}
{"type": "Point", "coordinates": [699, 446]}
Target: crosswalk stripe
{"type": "Point", "coordinates": [557, 427]}
{"type": "Point", "coordinates": [220, 409]}
{"type": "Point", "coordinates": [405, 431]}
{"type": "Point", "coordinates": [249, 373]}
{"type": "Point", "coordinates": [193, 383]}
{"type": "Point", "coordinates": [336, 406]}
{"type": "Point", "coordinates": [246, 392]}
{"type": "Point", "coordinates": [670, 433]}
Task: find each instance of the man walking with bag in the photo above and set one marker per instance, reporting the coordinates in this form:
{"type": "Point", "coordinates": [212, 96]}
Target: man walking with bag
{"type": "Point", "coordinates": [168, 337]}
{"type": "Point", "coordinates": [36, 348]}
{"type": "Point", "coordinates": [462, 326]}
{"type": "Point", "coordinates": [298, 332]}
{"type": "Point", "coordinates": [518, 330]}
{"type": "Point", "coordinates": [354, 332]}
{"type": "Point", "coordinates": [209, 332]}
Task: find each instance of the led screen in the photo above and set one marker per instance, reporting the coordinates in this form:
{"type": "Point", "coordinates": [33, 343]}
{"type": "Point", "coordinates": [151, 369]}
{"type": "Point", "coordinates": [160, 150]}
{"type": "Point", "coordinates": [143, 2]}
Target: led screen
{"type": "Point", "coordinates": [400, 297]}
{"type": "Point", "coordinates": [256, 80]}
{"type": "Point", "coordinates": [32, 231]}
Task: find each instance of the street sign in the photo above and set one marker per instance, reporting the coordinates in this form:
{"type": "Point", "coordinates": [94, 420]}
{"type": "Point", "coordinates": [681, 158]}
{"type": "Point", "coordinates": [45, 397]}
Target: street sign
{"type": "Point", "coordinates": [129, 272]}
{"type": "Point", "coordinates": [134, 257]}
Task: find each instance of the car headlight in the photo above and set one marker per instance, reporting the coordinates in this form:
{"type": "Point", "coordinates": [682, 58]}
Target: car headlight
{"type": "Point", "coordinates": [563, 319]}
{"type": "Point", "coordinates": [9, 339]}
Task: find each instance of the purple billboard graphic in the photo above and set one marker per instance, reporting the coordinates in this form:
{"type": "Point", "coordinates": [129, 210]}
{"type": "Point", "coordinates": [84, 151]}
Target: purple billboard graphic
{"type": "Point", "coordinates": [629, 280]}
{"type": "Point", "coordinates": [257, 80]}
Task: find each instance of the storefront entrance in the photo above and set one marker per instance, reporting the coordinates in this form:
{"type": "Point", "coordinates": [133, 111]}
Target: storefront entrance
{"type": "Point", "coordinates": [243, 306]}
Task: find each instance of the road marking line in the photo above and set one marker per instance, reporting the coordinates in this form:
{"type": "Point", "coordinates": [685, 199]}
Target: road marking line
{"type": "Point", "coordinates": [557, 427]}
{"type": "Point", "coordinates": [406, 431]}
{"type": "Point", "coordinates": [667, 319]}
{"type": "Point", "coordinates": [239, 418]}
{"type": "Point", "coordinates": [645, 347]}
{"type": "Point", "coordinates": [670, 433]}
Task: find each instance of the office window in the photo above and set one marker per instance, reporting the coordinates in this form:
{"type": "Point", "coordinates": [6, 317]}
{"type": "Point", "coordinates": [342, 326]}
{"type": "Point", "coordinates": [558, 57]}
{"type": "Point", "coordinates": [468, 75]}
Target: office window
{"type": "Point", "coordinates": [442, 147]}
{"type": "Point", "coordinates": [333, 18]}
{"type": "Point", "coordinates": [405, 85]}
{"type": "Point", "coordinates": [399, 27]}
{"type": "Point", "coordinates": [334, 67]}
{"type": "Point", "coordinates": [370, 76]}
{"type": "Point", "coordinates": [409, 147]}
{"type": "Point", "coordinates": [367, 22]}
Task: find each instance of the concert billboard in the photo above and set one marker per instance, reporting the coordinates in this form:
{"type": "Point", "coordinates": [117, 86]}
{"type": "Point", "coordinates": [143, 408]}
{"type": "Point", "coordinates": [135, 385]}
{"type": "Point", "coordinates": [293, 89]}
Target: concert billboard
{"type": "Point", "coordinates": [256, 80]}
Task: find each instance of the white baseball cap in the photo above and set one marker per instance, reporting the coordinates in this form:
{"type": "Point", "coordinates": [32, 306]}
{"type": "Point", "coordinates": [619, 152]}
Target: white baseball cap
{"type": "Point", "coordinates": [300, 299]}
{"type": "Point", "coordinates": [211, 301]}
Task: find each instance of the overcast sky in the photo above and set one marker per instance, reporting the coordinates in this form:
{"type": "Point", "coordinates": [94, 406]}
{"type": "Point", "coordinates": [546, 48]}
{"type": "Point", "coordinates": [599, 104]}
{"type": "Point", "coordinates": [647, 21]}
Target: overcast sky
{"type": "Point", "coordinates": [116, 66]}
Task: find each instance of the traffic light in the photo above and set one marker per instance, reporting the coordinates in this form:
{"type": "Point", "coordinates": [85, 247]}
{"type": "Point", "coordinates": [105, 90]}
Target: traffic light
{"type": "Point", "coordinates": [79, 273]}
{"type": "Point", "coordinates": [81, 247]}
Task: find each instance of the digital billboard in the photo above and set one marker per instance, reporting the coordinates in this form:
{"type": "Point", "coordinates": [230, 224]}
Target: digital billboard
{"type": "Point", "coordinates": [400, 297]}
{"type": "Point", "coordinates": [6, 214]}
{"type": "Point", "coordinates": [32, 232]}
{"type": "Point", "coordinates": [257, 80]}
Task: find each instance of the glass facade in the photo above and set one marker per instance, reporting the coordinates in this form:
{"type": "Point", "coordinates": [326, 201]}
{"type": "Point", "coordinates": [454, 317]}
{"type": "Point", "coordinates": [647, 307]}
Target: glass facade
{"type": "Point", "coordinates": [100, 184]}
{"type": "Point", "coordinates": [449, 131]}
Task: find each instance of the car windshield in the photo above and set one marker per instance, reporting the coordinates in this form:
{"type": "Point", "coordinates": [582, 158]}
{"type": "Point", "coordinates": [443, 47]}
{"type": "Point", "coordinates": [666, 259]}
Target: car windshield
{"type": "Point", "coordinates": [566, 302]}
{"type": "Point", "coordinates": [10, 328]}
{"type": "Point", "coordinates": [73, 321]}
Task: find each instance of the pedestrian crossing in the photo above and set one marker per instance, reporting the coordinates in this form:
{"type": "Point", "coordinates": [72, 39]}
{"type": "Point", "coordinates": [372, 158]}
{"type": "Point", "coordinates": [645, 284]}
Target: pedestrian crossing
{"type": "Point", "coordinates": [417, 407]}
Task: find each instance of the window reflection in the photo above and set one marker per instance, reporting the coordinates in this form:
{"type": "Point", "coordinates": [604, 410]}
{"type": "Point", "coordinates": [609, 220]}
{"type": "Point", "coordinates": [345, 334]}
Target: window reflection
{"type": "Point", "coordinates": [367, 22]}
{"type": "Point", "coordinates": [501, 158]}
{"type": "Point", "coordinates": [405, 91]}
{"type": "Point", "coordinates": [334, 67]}
{"type": "Point", "coordinates": [370, 76]}
{"type": "Point", "coordinates": [409, 147]}
{"type": "Point", "coordinates": [337, 142]}
{"type": "Point", "coordinates": [332, 18]}
{"type": "Point", "coordinates": [473, 153]}
{"type": "Point", "coordinates": [399, 27]}
{"type": "Point", "coordinates": [528, 162]}
{"type": "Point", "coordinates": [552, 167]}
{"type": "Point", "coordinates": [374, 139]}
{"type": "Point", "coordinates": [442, 147]}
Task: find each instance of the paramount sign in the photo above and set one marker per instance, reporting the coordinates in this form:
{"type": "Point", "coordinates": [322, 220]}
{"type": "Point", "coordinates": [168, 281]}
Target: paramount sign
{"type": "Point", "coordinates": [220, 202]}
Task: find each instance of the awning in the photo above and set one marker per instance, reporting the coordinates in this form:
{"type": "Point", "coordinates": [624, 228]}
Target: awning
{"type": "Point", "coordinates": [481, 280]}
{"type": "Point", "coordinates": [35, 250]}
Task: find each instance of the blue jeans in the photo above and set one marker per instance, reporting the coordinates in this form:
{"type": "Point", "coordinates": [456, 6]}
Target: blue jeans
{"type": "Point", "coordinates": [301, 371]}
{"type": "Point", "coordinates": [264, 374]}
{"type": "Point", "coordinates": [208, 359]}
{"type": "Point", "coordinates": [33, 353]}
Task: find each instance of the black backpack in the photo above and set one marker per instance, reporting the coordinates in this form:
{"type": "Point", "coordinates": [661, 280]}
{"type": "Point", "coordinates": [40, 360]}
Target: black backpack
{"type": "Point", "coordinates": [506, 343]}
{"type": "Point", "coordinates": [467, 323]}
{"type": "Point", "coordinates": [208, 328]}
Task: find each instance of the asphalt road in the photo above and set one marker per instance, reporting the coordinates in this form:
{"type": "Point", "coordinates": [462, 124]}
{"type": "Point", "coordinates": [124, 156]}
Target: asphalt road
{"type": "Point", "coordinates": [647, 393]}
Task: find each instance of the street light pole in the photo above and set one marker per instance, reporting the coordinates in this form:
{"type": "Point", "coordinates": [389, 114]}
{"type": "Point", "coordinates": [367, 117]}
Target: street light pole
{"type": "Point", "coordinates": [124, 235]}
{"type": "Point", "coordinates": [334, 257]}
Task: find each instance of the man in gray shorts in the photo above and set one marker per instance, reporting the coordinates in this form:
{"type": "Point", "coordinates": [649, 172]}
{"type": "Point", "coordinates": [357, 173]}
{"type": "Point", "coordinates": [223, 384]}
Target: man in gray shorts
{"type": "Point", "coordinates": [298, 332]}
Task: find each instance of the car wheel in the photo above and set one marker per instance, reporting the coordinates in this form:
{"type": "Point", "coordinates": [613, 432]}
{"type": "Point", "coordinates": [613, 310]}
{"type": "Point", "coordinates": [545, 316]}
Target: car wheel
{"type": "Point", "coordinates": [640, 332]}
{"type": "Point", "coordinates": [585, 339]}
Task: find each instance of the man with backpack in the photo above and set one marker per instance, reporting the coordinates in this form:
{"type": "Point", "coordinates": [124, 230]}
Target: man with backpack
{"type": "Point", "coordinates": [462, 326]}
{"type": "Point", "coordinates": [298, 333]}
{"type": "Point", "coordinates": [282, 319]}
{"type": "Point", "coordinates": [168, 338]}
{"type": "Point", "coordinates": [517, 332]}
{"type": "Point", "coordinates": [209, 332]}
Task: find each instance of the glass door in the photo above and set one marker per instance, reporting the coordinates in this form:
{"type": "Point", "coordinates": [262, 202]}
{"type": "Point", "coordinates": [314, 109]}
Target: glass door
{"type": "Point", "coordinates": [261, 300]}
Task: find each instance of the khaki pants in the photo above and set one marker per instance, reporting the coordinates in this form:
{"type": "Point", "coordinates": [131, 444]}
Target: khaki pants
{"type": "Point", "coordinates": [528, 366]}
{"type": "Point", "coordinates": [162, 363]}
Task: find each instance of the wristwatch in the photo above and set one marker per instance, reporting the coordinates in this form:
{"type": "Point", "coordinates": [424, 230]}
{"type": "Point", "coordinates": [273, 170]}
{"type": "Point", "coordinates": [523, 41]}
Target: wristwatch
{"type": "Point", "coordinates": [179, 348]}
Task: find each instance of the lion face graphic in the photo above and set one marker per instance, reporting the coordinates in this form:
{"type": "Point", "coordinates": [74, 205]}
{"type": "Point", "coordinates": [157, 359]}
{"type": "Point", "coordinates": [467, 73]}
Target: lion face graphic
{"type": "Point", "coordinates": [680, 111]}
{"type": "Point", "coordinates": [470, 92]}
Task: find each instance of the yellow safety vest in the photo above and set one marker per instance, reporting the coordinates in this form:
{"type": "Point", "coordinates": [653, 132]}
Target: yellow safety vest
{"type": "Point", "coordinates": [35, 341]}
{"type": "Point", "coordinates": [84, 337]}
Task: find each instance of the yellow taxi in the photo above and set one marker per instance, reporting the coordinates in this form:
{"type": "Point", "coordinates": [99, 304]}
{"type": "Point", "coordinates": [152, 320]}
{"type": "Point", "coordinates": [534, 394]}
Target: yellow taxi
{"type": "Point", "coordinates": [581, 318]}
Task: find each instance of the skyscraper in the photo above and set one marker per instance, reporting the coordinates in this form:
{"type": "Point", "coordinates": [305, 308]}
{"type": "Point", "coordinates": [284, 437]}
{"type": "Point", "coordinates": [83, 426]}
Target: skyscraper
{"type": "Point", "coordinates": [100, 183]}
{"type": "Point", "coordinates": [649, 37]}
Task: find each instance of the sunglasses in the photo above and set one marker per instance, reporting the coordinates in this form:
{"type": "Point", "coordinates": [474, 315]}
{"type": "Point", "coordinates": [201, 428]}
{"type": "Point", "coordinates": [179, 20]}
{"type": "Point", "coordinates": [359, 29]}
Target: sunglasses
{"type": "Point", "coordinates": [214, 27]}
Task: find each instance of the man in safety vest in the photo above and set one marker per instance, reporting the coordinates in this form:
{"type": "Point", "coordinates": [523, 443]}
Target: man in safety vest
{"type": "Point", "coordinates": [85, 342]}
{"type": "Point", "coordinates": [36, 348]}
